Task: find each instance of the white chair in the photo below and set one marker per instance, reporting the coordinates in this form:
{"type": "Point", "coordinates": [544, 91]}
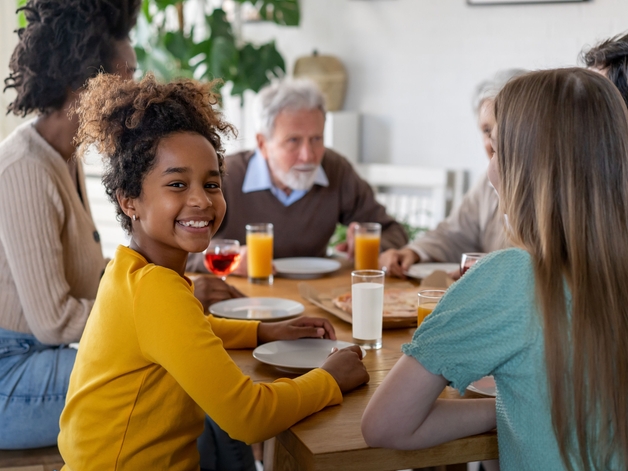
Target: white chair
{"type": "Point", "coordinates": [419, 196]}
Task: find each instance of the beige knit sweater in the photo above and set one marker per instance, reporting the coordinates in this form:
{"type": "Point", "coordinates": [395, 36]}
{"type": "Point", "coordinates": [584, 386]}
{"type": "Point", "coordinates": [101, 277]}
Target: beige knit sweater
{"type": "Point", "coordinates": [50, 254]}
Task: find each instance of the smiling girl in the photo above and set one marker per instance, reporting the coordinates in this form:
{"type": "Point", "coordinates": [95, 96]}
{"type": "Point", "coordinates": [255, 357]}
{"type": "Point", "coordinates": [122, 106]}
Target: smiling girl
{"type": "Point", "coordinates": [151, 364]}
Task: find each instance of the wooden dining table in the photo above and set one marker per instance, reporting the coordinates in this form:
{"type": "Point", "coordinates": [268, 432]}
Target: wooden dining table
{"type": "Point", "coordinates": [331, 439]}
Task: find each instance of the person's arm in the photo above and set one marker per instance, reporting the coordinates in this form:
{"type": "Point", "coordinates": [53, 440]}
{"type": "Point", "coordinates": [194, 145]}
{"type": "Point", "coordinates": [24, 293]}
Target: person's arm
{"type": "Point", "coordinates": [209, 289]}
{"type": "Point", "coordinates": [397, 262]}
{"type": "Point", "coordinates": [457, 234]}
{"type": "Point", "coordinates": [173, 332]}
{"type": "Point", "coordinates": [32, 218]}
{"type": "Point", "coordinates": [484, 325]}
{"type": "Point", "coordinates": [406, 414]}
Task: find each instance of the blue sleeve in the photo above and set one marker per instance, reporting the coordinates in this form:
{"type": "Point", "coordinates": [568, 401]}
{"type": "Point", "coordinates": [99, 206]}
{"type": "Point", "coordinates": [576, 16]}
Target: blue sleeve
{"type": "Point", "coordinates": [484, 321]}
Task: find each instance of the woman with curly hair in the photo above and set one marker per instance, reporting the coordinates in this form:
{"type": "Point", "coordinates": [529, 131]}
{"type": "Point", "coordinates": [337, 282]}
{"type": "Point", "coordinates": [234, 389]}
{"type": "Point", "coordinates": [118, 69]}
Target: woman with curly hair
{"type": "Point", "coordinates": [50, 254]}
{"type": "Point", "coordinates": [151, 364]}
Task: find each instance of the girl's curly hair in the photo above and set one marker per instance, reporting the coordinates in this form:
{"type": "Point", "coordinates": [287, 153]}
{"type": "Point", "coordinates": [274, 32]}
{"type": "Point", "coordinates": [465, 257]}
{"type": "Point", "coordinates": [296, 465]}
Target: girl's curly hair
{"type": "Point", "coordinates": [124, 121]}
{"type": "Point", "coordinates": [64, 43]}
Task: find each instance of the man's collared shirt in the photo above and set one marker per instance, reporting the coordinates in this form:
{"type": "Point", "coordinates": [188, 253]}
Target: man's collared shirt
{"type": "Point", "coordinates": [257, 178]}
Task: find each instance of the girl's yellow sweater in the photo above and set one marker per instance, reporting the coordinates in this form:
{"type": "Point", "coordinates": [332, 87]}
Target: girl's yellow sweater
{"type": "Point", "coordinates": [151, 364]}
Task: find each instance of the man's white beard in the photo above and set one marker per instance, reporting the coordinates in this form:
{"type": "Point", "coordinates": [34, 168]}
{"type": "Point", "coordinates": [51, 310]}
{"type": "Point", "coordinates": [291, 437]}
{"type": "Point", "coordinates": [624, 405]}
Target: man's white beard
{"type": "Point", "coordinates": [299, 177]}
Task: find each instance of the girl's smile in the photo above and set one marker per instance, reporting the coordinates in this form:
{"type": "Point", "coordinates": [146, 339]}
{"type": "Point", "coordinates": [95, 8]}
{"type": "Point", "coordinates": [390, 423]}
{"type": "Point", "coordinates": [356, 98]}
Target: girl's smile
{"type": "Point", "coordinates": [181, 203]}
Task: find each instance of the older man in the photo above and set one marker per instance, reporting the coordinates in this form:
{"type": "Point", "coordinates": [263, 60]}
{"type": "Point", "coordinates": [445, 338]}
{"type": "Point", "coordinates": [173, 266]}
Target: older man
{"type": "Point", "coordinates": [294, 182]}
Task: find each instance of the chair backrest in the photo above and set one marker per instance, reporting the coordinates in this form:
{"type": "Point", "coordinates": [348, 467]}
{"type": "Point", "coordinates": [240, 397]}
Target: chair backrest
{"type": "Point", "coordinates": [420, 196]}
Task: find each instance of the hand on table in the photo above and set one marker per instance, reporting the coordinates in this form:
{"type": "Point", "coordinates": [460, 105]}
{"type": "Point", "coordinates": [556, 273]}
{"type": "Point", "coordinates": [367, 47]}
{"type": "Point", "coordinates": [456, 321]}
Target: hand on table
{"type": "Point", "coordinates": [348, 246]}
{"type": "Point", "coordinates": [310, 327]}
{"type": "Point", "coordinates": [209, 289]}
{"type": "Point", "coordinates": [346, 367]}
{"type": "Point", "coordinates": [396, 262]}
{"type": "Point", "coordinates": [454, 274]}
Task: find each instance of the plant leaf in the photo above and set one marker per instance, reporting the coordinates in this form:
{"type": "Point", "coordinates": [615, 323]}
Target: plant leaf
{"type": "Point", "coordinates": [218, 24]}
{"type": "Point", "coordinates": [180, 46]}
{"type": "Point", "coordinates": [271, 60]}
{"type": "Point", "coordinates": [163, 4]}
{"type": "Point", "coordinates": [21, 17]}
{"type": "Point", "coordinates": [283, 12]}
{"type": "Point", "coordinates": [221, 58]}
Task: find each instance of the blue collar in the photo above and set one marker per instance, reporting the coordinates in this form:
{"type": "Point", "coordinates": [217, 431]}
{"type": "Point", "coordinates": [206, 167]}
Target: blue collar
{"type": "Point", "coordinates": [257, 178]}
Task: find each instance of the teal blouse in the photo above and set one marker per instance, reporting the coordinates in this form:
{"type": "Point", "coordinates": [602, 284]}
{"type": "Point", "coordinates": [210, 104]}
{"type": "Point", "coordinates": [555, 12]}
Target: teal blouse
{"type": "Point", "coordinates": [488, 324]}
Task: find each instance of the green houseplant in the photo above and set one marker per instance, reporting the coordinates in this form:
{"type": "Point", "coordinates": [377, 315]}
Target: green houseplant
{"type": "Point", "coordinates": [210, 47]}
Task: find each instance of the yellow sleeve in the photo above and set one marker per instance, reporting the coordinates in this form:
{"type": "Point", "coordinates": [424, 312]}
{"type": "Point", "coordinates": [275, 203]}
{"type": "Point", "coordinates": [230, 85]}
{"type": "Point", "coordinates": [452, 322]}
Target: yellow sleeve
{"type": "Point", "coordinates": [235, 333]}
{"type": "Point", "coordinates": [174, 333]}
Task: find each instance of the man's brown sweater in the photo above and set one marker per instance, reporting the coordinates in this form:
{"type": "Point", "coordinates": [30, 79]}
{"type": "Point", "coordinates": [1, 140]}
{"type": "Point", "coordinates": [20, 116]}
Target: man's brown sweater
{"type": "Point", "coordinates": [304, 228]}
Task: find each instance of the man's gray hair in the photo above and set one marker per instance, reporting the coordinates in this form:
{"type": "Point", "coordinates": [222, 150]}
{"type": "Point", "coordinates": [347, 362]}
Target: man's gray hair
{"type": "Point", "coordinates": [287, 94]}
{"type": "Point", "coordinates": [488, 89]}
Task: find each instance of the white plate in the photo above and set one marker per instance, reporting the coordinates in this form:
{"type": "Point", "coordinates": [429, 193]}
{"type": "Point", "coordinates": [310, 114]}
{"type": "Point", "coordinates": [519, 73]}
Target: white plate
{"type": "Point", "coordinates": [423, 270]}
{"type": "Point", "coordinates": [485, 386]}
{"type": "Point", "coordinates": [261, 309]}
{"type": "Point", "coordinates": [298, 356]}
{"type": "Point", "coordinates": [305, 267]}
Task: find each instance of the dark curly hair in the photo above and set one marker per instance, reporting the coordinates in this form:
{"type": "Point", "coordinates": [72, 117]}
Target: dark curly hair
{"type": "Point", "coordinates": [64, 43]}
{"type": "Point", "coordinates": [125, 120]}
{"type": "Point", "coordinates": [611, 56]}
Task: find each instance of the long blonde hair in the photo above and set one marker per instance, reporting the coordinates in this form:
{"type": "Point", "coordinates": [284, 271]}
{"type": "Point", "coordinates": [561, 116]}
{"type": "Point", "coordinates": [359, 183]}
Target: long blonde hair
{"type": "Point", "coordinates": [562, 150]}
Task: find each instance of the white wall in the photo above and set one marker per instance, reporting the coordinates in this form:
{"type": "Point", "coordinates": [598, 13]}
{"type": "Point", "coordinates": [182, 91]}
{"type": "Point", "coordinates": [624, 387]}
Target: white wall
{"type": "Point", "coordinates": [413, 64]}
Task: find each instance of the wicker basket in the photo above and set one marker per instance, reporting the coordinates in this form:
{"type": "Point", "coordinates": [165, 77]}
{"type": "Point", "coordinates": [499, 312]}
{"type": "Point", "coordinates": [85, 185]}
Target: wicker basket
{"type": "Point", "coordinates": [328, 73]}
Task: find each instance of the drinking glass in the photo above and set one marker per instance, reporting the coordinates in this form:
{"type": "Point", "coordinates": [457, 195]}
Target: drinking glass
{"type": "Point", "coordinates": [222, 257]}
{"type": "Point", "coordinates": [428, 299]}
{"type": "Point", "coordinates": [367, 306]}
{"type": "Point", "coordinates": [367, 240]}
{"type": "Point", "coordinates": [259, 243]}
{"type": "Point", "coordinates": [468, 260]}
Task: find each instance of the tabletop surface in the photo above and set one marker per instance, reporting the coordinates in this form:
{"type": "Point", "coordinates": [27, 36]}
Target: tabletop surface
{"type": "Point", "coordinates": [331, 438]}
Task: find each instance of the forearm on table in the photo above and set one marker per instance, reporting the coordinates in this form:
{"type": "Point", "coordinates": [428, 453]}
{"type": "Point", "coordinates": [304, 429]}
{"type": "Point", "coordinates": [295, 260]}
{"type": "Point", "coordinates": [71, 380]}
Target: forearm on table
{"type": "Point", "coordinates": [448, 420]}
{"type": "Point", "coordinates": [405, 412]}
{"type": "Point", "coordinates": [261, 411]}
{"type": "Point", "coordinates": [235, 333]}
{"type": "Point", "coordinates": [444, 245]}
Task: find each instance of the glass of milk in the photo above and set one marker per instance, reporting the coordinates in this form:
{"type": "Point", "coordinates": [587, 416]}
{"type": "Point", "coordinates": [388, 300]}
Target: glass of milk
{"type": "Point", "coordinates": [367, 305]}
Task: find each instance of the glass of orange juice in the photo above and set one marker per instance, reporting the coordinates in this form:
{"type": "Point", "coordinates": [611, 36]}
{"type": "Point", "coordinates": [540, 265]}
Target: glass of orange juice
{"type": "Point", "coordinates": [259, 247]}
{"type": "Point", "coordinates": [367, 239]}
{"type": "Point", "coordinates": [428, 299]}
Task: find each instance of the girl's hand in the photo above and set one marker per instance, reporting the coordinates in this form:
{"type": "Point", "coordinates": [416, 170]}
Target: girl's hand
{"type": "Point", "coordinates": [311, 327]}
{"type": "Point", "coordinates": [347, 368]}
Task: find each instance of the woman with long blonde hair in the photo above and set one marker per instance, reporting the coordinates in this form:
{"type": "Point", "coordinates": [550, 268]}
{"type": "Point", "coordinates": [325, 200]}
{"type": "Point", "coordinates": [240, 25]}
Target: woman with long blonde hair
{"type": "Point", "coordinates": [548, 319]}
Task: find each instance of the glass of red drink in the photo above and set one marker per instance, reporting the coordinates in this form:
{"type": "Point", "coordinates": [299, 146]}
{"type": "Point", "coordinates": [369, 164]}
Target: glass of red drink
{"type": "Point", "coordinates": [468, 260]}
{"type": "Point", "coordinates": [222, 257]}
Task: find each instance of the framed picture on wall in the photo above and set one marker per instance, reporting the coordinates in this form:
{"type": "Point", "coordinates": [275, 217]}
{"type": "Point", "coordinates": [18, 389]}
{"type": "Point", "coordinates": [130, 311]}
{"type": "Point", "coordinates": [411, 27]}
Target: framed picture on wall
{"type": "Point", "coordinates": [519, 2]}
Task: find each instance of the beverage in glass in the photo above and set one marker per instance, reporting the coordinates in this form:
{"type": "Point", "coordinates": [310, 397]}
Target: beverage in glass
{"type": "Point", "coordinates": [367, 241]}
{"type": "Point", "coordinates": [222, 257]}
{"type": "Point", "coordinates": [428, 299]}
{"type": "Point", "coordinates": [468, 260]}
{"type": "Point", "coordinates": [367, 306]}
{"type": "Point", "coordinates": [259, 244]}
